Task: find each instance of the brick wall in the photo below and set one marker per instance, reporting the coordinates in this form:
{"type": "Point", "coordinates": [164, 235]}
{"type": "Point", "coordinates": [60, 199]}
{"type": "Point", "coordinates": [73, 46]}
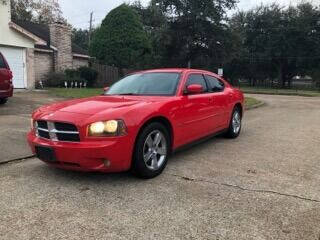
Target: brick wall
{"type": "Point", "coordinates": [43, 62]}
{"type": "Point", "coordinates": [79, 62]}
{"type": "Point", "coordinates": [60, 37]}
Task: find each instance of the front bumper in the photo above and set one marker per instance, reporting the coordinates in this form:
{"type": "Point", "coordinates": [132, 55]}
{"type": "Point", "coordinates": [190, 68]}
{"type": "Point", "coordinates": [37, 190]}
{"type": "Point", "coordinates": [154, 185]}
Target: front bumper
{"type": "Point", "coordinates": [112, 155]}
{"type": "Point", "coordinates": [6, 93]}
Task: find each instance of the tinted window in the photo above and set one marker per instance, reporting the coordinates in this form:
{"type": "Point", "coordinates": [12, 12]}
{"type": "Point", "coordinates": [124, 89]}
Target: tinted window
{"type": "Point", "coordinates": [215, 84]}
{"type": "Point", "coordinates": [197, 79]}
{"type": "Point", "coordinates": [146, 84]}
{"type": "Point", "coordinates": [2, 63]}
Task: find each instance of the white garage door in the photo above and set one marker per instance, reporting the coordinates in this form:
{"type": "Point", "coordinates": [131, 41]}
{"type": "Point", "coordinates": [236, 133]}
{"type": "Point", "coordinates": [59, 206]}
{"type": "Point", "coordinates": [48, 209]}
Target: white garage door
{"type": "Point", "coordinates": [16, 60]}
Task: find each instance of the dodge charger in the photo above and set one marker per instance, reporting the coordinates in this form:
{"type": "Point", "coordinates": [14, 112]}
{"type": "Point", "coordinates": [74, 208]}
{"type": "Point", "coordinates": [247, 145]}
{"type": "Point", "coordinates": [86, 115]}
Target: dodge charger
{"type": "Point", "coordinates": [137, 123]}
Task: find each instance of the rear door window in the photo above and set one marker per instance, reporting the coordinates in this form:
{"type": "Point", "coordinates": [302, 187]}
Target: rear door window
{"type": "Point", "coordinates": [215, 84]}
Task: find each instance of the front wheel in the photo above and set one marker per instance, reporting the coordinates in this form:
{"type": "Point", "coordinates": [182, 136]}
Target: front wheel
{"type": "Point", "coordinates": [151, 151]}
{"type": "Point", "coordinates": [235, 124]}
{"type": "Point", "coordinates": [3, 100]}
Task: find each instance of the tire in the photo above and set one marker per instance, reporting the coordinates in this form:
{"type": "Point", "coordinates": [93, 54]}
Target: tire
{"type": "Point", "coordinates": [151, 151]}
{"type": "Point", "coordinates": [235, 125]}
{"type": "Point", "coordinates": [3, 100]}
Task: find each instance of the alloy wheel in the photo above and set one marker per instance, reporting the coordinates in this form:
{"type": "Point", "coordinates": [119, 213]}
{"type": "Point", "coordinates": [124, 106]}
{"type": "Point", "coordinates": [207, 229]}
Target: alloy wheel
{"type": "Point", "coordinates": [155, 150]}
{"type": "Point", "coordinates": [236, 122]}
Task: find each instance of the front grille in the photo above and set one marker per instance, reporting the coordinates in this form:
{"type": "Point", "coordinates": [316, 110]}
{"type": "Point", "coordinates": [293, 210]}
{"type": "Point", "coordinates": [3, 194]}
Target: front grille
{"type": "Point", "coordinates": [57, 131]}
{"type": "Point", "coordinates": [42, 124]}
{"type": "Point", "coordinates": [65, 127]}
{"type": "Point", "coordinates": [43, 134]}
{"type": "Point", "coordinates": [68, 137]}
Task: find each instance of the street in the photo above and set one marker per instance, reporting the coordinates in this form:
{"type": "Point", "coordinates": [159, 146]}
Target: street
{"type": "Point", "coordinates": [263, 185]}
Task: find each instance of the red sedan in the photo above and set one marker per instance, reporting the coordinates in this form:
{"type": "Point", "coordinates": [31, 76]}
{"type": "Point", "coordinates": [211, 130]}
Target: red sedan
{"type": "Point", "coordinates": [6, 87]}
{"type": "Point", "coordinates": [137, 123]}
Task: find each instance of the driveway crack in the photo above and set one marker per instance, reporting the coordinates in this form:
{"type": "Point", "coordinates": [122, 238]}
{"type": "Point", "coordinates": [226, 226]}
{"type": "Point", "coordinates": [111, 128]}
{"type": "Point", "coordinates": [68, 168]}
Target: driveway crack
{"type": "Point", "coordinates": [245, 189]}
{"type": "Point", "coordinates": [16, 159]}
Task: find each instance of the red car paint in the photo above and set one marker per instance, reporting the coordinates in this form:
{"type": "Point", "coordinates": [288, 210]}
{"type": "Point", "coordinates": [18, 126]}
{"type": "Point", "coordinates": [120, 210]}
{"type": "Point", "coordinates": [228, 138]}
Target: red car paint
{"type": "Point", "coordinates": [6, 86]}
{"type": "Point", "coordinates": [191, 117]}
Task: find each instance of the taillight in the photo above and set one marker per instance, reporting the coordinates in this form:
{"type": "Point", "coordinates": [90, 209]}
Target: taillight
{"type": "Point", "coordinates": [10, 76]}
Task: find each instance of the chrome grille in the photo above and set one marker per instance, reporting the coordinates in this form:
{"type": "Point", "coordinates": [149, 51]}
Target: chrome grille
{"type": "Point", "coordinates": [57, 131]}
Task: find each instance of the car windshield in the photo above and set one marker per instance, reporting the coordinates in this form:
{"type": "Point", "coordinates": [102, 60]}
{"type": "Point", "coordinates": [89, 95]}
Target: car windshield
{"type": "Point", "coordinates": [146, 84]}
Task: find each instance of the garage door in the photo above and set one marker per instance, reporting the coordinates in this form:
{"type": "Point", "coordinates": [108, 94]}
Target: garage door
{"type": "Point", "coordinates": [15, 58]}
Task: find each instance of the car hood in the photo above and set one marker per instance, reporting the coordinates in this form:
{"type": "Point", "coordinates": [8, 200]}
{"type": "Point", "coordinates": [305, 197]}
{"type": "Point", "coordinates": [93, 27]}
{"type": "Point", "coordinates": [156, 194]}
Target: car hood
{"type": "Point", "coordinates": [91, 106]}
{"type": "Point", "coordinates": [95, 105]}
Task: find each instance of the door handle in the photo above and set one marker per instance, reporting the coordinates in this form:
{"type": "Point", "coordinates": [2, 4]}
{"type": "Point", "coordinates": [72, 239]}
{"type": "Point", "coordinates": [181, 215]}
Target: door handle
{"type": "Point", "coordinates": [211, 100]}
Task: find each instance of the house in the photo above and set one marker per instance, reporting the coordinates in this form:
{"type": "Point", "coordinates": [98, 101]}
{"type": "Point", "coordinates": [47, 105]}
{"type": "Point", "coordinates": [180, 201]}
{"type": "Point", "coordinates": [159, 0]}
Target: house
{"type": "Point", "coordinates": [34, 50]}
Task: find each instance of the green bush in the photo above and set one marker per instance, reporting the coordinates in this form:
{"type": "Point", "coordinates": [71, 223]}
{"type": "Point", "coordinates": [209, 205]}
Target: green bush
{"type": "Point", "coordinates": [72, 73]}
{"type": "Point", "coordinates": [89, 74]}
{"type": "Point", "coordinates": [55, 79]}
{"type": "Point", "coordinates": [73, 76]}
{"type": "Point", "coordinates": [82, 74]}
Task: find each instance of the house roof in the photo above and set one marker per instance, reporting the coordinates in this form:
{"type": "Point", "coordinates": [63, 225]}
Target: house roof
{"type": "Point", "coordinates": [43, 47]}
{"type": "Point", "coordinates": [42, 31]}
{"type": "Point", "coordinates": [78, 50]}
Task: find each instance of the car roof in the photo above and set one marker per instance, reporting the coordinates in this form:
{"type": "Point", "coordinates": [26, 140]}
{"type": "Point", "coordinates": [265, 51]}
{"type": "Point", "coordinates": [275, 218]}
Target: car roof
{"type": "Point", "coordinates": [178, 70]}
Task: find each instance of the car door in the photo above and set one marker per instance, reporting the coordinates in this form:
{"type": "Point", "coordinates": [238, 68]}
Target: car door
{"type": "Point", "coordinates": [219, 101]}
{"type": "Point", "coordinates": [195, 110]}
{"type": "Point", "coordinates": [5, 74]}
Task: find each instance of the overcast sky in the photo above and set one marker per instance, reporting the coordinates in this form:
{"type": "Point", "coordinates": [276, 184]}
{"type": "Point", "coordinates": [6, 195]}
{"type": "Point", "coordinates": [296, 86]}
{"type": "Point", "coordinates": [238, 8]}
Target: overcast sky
{"type": "Point", "coordinates": [78, 12]}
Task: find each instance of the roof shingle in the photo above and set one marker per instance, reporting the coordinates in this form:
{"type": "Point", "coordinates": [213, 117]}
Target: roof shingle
{"type": "Point", "coordinates": [42, 31]}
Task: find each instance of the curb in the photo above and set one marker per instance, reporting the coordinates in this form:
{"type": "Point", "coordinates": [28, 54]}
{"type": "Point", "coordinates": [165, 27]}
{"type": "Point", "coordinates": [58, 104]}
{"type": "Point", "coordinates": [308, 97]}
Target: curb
{"type": "Point", "coordinates": [17, 159]}
{"type": "Point", "coordinates": [261, 104]}
{"type": "Point", "coordinates": [282, 94]}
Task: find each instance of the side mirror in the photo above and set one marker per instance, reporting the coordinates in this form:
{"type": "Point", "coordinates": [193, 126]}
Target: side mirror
{"type": "Point", "coordinates": [194, 89]}
{"type": "Point", "coordinates": [106, 89]}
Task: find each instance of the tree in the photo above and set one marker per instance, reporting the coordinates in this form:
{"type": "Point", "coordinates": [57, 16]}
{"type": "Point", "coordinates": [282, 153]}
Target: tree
{"type": "Point", "coordinates": [39, 11]}
{"type": "Point", "coordinates": [279, 42]}
{"type": "Point", "coordinates": [198, 31]}
{"type": "Point", "coordinates": [81, 37]}
{"type": "Point", "coordinates": [156, 26]}
{"type": "Point", "coordinates": [121, 39]}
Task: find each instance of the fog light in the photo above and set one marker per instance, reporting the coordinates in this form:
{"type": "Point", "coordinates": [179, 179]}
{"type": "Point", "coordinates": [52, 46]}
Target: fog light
{"type": "Point", "coordinates": [106, 163]}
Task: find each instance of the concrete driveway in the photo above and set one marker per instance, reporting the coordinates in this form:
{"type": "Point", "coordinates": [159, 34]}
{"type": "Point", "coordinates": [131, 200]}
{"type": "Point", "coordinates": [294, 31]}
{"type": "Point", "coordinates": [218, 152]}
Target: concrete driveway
{"type": "Point", "coordinates": [263, 185]}
{"type": "Point", "coordinates": [15, 122]}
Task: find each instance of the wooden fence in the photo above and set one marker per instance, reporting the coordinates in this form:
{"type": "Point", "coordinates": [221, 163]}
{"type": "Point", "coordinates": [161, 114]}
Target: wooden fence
{"type": "Point", "coordinates": [108, 75]}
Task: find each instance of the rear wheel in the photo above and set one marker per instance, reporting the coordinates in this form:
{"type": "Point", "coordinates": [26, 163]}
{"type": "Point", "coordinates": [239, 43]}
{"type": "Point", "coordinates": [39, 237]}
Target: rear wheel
{"type": "Point", "coordinates": [151, 151]}
{"type": "Point", "coordinates": [235, 123]}
{"type": "Point", "coordinates": [3, 100]}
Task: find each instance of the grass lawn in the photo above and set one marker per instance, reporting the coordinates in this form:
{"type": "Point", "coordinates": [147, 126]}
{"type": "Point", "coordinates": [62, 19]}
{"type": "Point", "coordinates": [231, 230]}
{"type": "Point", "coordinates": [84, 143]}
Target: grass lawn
{"type": "Point", "coordinates": [75, 92]}
{"type": "Point", "coordinates": [293, 92]}
{"type": "Point", "coordinates": [249, 102]}
{"type": "Point", "coordinates": [89, 92]}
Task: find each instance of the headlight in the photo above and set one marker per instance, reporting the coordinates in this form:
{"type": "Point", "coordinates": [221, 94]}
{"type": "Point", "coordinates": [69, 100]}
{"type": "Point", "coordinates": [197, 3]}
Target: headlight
{"type": "Point", "coordinates": [109, 128]}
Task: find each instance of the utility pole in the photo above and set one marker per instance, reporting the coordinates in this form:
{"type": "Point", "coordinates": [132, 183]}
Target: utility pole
{"type": "Point", "coordinates": [90, 28]}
